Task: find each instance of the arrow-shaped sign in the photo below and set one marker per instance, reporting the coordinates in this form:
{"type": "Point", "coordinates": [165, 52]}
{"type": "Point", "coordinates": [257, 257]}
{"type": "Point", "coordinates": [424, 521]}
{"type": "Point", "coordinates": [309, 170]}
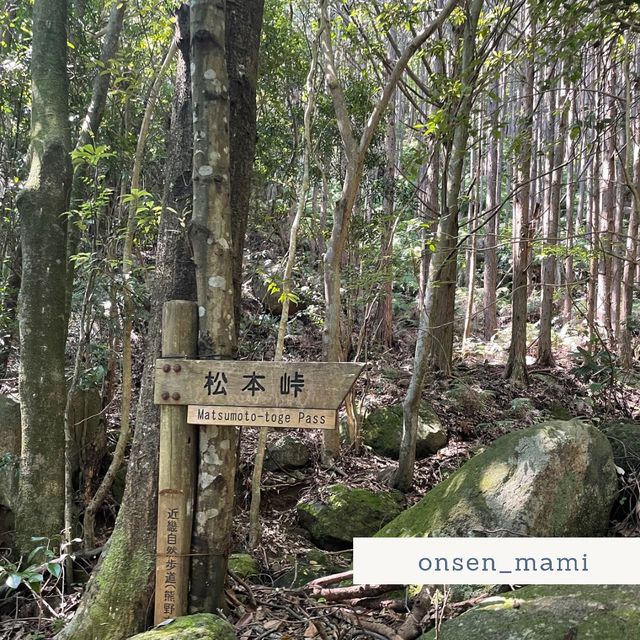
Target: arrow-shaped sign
{"type": "Point", "coordinates": [273, 394]}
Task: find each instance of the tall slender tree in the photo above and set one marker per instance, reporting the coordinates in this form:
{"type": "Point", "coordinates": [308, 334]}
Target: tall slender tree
{"type": "Point", "coordinates": [516, 368]}
{"type": "Point", "coordinates": [42, 205]}
{"type": "Point", "coordinates": [442, 266]}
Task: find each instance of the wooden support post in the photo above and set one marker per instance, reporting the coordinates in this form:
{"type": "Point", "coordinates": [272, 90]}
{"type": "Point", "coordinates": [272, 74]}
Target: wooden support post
{"type": "Point", "coordinates": [177, 471]}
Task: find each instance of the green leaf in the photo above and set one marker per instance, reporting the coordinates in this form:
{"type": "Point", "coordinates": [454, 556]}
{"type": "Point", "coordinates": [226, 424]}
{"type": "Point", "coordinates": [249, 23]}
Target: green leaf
{"type": "Point", "coordinates": [54, 569]}
{"type": "Point", "coordinates": [13, 581]}
{"type": "Point", "coordinates": [34, 553]}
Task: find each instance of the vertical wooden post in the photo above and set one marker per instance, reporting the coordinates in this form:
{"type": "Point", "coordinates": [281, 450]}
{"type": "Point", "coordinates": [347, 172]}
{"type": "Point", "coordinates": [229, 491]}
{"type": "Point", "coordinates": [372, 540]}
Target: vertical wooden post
{"type": "Point", "coordinates": [177, 469]}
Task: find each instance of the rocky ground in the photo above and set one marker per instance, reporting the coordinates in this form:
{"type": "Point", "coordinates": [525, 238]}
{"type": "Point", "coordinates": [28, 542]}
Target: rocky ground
{"type": "Point", "coordinates": [297, 583]}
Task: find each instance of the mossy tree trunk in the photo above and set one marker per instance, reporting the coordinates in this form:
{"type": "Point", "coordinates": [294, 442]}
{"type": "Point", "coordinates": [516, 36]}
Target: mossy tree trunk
{"type": "Point", "coordinates": [116, 602]}
{"type": "Point", "coordinates": [42, 204]}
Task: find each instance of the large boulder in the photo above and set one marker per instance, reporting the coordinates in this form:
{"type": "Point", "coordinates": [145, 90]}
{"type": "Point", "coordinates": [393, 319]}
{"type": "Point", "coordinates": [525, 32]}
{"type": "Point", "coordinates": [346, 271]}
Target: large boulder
{"type": "Point", "coordinates": [551, 612]}
{"type": "Point", "coordinates": [554, 479]}
{"type": "Point", "coordinates": [382, 431]}
{"type": "Point", "coordinates": [347, 513]}
{"type": "Point", "coordinates": [287, 452]}
{"type": "Point", "coordinates": [201, 626]}
{"type": "Point", "coordinates": [625, 443]}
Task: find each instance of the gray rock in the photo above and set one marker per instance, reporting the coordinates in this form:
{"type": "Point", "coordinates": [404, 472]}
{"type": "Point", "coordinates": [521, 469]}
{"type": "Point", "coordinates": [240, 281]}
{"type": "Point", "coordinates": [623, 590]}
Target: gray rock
{"type": "Point", "coordinates": [201, 626]}
{"type": "Point", "coordinates": [301, 570]}
{"type": "Point", "coordinates": [554, 479]}
{"type": "Point", "coordinates": [347, 513]}
{"type": "Point", "coordinates": [469, 397]}
{"type": "Point", "coordinates": [382, 431]}
{"type": "Point", "coordinates": [287, 452]}
{"type": "Point", "coordinates": [551, 612]}
{"type": "Point", "coordinates": [522, 408]}
{"type": "Point", "coordinates": [625, 443]}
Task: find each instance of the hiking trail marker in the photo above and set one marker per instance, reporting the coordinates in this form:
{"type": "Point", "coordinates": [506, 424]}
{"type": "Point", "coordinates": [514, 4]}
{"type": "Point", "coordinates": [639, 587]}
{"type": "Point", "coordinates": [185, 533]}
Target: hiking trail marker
{"type": "Point", "coordinates": [283, 395]}
{"type": "Point", "coordinates": [289, 395]}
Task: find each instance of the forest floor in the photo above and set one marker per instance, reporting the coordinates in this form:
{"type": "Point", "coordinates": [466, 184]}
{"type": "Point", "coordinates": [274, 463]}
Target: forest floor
{"type": "Point", "coordinates": [482, 411]}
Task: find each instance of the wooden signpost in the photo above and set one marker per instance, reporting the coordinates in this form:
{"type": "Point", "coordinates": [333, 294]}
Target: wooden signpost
{"type": "Point", "coordinates": [289, 395]}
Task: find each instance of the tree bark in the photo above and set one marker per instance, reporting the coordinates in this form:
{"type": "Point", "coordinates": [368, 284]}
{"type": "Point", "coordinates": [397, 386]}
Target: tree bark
{"type": "Point", "coordinates": [117, 599]}
{"type": "Point", "coordinates": [244, 24]}
{"type": "Point", "coordinates": [607, 202]}
{"type": "Point", "coordinates": [491, 204]}
{"type": "Point", "coordinates": [516, 368]}
{"type": "Point", "coordinates": [545, 350]}
{"type": "Point", "coordinates": [213, 256]}
{"type": "Point", "coordinates": [42, 203]}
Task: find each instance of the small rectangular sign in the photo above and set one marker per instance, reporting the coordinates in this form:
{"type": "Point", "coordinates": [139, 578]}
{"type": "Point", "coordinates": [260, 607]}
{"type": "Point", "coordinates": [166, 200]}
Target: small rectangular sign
{"type": "Point", "coordinates": [262, 417]}
{"type": "Point", "coordinates": [172, 561]}
{"type": "Point", "coordinates": [496, 560]}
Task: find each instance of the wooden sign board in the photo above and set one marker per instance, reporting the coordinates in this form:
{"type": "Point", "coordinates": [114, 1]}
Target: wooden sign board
{"type": "Point", "coordinates": [262, 417]}
{"type": "Point", "coordinates": [172, 557]}
{"type": "Point", "coordinates": [244, 384]}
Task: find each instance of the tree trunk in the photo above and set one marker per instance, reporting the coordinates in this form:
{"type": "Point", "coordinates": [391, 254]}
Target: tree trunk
{"type": "Point", "coordinates": [632, 179]}
{"type": "Point", "coordinates": [116, 603]}
{"type": "Point", "coordinates": [545, 349]}
{"type": "Point", "coordinates": [570, 202]}
{"type": "Point", "coordinates": [254, 511]}
{"type": "Point", "coordinates": [490, 250]}
{"type": "Point", "coordinates": [42, 203]}
{"type": "Point", "coordinates": [443, 262]}
{"type": "Point", "coordinates": [607, 202]}
{"type": "Point", "coordinates": [213, 256]}
{"type": "Point", "coordinates": [244, 24]}
{"type": "Point", "coordinates": [441, 316]}
{"type": "Point", "coordinates": [516, 368]}
{"type": "Point", "coordinates": [127, 313]}
{"type": "Point", "coordinates": [385, 305]}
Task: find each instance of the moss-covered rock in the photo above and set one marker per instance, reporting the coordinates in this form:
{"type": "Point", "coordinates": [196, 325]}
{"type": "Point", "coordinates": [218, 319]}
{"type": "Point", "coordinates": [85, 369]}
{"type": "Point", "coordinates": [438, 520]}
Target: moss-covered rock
{"type": "Point", "coordinates": [625, 443]}
{"type": "Point", "coordinates": [554, 479]}
{"type": "Point", "coordinates": [382, 431]}
{"type": "Point", "coordinates": [244, 565]}
{"type": "Point", "coordinates": [287, 452]}
{"type": "Point", "coordinates": [302, 569]}
{"type": "Point", "coordinates": [584, 612]}
{"type": "Point", "coordinates": [559, 411]}
{"type": "Point", "coordinates": [201, 626]}
{"type": "Point", "coordinates": [522, 408]}
{"type": "Point", "coordinates": [469, 397]}
{"type": "Point", "coordinates": [347, 513]}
